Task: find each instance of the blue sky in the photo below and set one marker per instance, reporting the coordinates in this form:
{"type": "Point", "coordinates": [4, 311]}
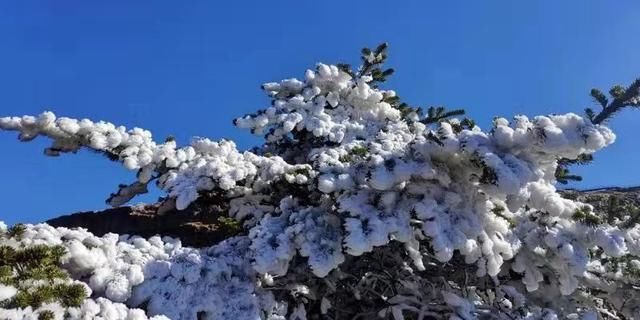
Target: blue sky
{"type": "Point", "coordinates": [187, 68]}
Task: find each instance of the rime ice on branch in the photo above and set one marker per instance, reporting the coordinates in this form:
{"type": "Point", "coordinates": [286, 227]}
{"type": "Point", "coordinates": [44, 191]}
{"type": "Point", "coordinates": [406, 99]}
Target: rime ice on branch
{"type": "Point", "coordinates": [347, 167]}
{"type": "Point", "coordinates": [183, 172]}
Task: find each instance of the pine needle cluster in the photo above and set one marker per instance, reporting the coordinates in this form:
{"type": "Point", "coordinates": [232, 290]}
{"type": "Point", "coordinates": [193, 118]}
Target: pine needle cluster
{"type": "Point", "coordinates": [37, 274]}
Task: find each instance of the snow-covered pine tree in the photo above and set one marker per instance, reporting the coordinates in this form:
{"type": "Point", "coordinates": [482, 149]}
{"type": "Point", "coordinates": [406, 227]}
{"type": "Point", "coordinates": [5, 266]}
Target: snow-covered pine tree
{"type": "Point", "coordinates": [356, 206]}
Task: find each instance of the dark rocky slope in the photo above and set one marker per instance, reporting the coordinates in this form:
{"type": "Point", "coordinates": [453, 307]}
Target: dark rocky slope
{"type": "Point", "coordinates": [193, 228]}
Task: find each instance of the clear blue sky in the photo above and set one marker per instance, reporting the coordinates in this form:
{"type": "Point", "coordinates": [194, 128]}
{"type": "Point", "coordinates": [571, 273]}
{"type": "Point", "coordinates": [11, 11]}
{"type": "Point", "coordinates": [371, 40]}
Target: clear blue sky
{"type": "Point", "coordinates": [187, 68]}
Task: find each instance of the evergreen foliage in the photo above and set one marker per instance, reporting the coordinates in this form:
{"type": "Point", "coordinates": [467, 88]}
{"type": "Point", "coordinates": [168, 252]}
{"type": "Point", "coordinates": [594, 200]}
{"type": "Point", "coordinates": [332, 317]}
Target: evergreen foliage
{"type": "Point", "coordinates": [37, 274]}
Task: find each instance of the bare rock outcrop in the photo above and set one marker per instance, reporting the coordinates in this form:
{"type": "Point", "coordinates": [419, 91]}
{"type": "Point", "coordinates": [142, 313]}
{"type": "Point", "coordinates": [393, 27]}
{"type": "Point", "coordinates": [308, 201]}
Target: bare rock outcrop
{"type": "Point", "coordinates": [194, 229]}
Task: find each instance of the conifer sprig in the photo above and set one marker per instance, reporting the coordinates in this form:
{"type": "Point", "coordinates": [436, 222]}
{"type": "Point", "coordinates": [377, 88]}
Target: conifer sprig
{"type": "Point", "coordinates": [35, 271]}
{"type": "Point", "coordinates": [621, 98]}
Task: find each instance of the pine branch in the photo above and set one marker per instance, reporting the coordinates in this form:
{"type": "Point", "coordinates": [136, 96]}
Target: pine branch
{"type": "Point", "coordinates": [372, 59]}
{"type": "Point", "coordinates": [437, 114]}
{"type": "Point", "coordinates": [622, 98]}
{"type": "Point", "coordinates": [582, 159]}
